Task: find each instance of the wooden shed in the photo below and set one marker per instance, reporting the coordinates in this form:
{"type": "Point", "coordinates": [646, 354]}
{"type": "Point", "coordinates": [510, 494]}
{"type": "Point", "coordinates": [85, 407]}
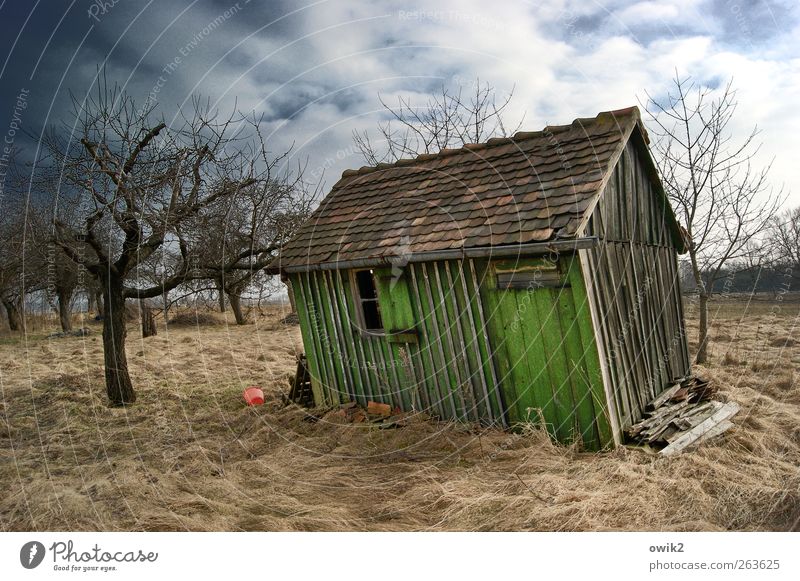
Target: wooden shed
{"type": "Point", "coordinates": [531, 278]}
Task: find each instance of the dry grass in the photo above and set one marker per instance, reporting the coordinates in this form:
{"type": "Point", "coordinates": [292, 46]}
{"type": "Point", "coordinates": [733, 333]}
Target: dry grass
{"type": "Point", "coordinates": [190, 456]}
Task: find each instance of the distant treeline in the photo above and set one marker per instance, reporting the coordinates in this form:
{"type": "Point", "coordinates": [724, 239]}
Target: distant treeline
{"type": "Point", "coordinates": [761, 279]}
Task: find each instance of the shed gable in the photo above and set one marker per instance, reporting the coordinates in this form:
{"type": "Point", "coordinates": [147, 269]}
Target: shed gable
{"type": "Point", "coordinates": [634, 286]}
{"type": "Point", "coordinates": [633, 205]}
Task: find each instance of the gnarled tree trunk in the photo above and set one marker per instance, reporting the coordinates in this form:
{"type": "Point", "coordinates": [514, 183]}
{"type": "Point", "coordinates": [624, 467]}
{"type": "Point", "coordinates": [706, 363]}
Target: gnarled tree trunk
{"type": "Point", "coordinates": [16, 319]}
{"type": "Point", "coordinates": [148, 321]}
{"type": "Point", "coordinates": [65, 309]}
{"type": "Point", "coordinates": [118, 381]}
{"type": "Point", "coordinates": [235, 301]}
{"type": "Point", "coordinates": [165, 301]}
{"type": "Point", "coordinates": [220, 294]}
{"type": "Point", "coordinates": [702, 346]}
{"type": "Point", "coordinates": [289, 289]}
{"type": "Point", "coordinates": [98, 299]}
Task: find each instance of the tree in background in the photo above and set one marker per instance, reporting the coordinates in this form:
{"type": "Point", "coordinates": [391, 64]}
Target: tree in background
{"type": "Point", "coordinates": [239, 238]}
{"type": "Point", "coordinates": [29, 215]}
{"type": "Point", "coordinates": [143, 186]}
{"type": "Point", "coordinates": [15, 278]}
{"type": "Point", "coordinates": [784, 240]}
{"type": "Point", "coordinates": [57, 276]}
{"type": "Point", "coordinates": [723, 201]}
{"type": "Point", "coordinates": [448, 120]}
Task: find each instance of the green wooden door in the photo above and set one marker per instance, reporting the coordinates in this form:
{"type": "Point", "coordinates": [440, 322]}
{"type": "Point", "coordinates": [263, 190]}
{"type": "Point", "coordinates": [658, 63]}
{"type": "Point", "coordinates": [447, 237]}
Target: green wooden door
{"type": "Point", "coordinates": [543, 343]}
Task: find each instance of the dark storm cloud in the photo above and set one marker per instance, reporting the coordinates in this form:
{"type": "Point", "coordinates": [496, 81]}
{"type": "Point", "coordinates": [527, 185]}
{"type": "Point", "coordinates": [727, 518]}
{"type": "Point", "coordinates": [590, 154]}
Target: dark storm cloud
{"type": "Point", "coordinates": [757, 23]}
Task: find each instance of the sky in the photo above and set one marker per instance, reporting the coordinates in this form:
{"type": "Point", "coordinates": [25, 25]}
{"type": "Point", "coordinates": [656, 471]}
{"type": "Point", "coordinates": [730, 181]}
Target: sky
{"type": "Point", "coordinates": [315, 70]}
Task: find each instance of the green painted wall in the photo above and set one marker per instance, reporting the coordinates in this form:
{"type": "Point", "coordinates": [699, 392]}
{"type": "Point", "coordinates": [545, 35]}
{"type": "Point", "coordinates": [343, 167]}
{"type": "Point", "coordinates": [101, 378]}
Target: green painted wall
{"type": "Point", "coordinates": [459, 347]}
{"type": "Point", "coordinates": [546, 354]}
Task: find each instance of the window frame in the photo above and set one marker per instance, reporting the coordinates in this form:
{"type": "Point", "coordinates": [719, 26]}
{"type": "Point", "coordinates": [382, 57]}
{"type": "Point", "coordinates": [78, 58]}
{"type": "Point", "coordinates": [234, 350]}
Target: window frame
{"type": "Point", "coordinates": [359, 303]}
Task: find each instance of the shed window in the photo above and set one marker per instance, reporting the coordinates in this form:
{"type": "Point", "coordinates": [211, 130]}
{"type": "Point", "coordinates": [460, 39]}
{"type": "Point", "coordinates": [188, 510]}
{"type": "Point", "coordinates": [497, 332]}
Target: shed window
{"type": "Point", "coordinates": [368, 300]}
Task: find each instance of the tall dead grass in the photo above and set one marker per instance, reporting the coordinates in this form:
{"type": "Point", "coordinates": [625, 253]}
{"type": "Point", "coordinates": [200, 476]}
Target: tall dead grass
{"type": "Point", "coordinates": [190, 456]}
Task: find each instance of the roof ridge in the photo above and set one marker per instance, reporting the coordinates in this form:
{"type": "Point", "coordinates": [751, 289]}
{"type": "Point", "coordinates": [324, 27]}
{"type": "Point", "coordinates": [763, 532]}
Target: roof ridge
{"type": "Point", "coordinates": [602, 116]}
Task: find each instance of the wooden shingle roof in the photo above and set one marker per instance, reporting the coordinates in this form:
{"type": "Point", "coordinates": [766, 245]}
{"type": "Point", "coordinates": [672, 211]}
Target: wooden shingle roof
{"type": "Point", "coordinates": [532, 187]}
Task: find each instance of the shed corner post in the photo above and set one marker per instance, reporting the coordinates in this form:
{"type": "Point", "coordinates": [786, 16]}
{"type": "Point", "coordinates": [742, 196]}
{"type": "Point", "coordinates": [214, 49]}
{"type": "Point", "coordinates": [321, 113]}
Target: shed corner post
{"type": "Point", "coordinates": [584, 258]}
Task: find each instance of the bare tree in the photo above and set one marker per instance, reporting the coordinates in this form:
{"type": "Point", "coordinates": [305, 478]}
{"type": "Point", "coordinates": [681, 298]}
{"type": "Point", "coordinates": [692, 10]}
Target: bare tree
{"type": "Point", "coordinates": [149, 328]}
{"type": "Point", "coordinates": [722, 200]}
{"type": "Point", "coordinates": [55, 275]}
{"type": "Point", "coordinates": [448, 119]}
{"type": "Point", "coordinates": [240, 237]}
{"type": "Point", "coordinates": [62, 283]}
{"type": "Point", "coordinates": [144, 183]}
{"type": "Point", "coordinates": [17, 275]}
{"type": "Point", "coordinates": [784, 240]}
{"type": "Point", "coordinates": [14, 277]}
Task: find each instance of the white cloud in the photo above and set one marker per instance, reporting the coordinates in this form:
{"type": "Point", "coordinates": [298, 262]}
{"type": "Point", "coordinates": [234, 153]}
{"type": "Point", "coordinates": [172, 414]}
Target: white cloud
{"type": "Point", "coordinates": [317, 73]}
{"type": "Point", "coordinates": [663, 12]}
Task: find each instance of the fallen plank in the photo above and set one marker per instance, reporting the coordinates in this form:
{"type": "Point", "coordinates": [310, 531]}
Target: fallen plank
{"type": "Point", "coordinates": [665, 416]}
{"type": "Point", "coordinates": [696, 416]}
{"type": "Point", "coordinates": [670, 433]}
{"type": "Point", "coordinates": [656, 419]}
{"type": "Point", "coordinates": [681, 394]}
{"type": "Point", "coordinates": [660, 433]}
{"type": "Point", "coordinates": [699, 432]}
{"type": "Point", "coordinates": [721, 427]}
{"type": "Point", "coordinates": [664, 411]}
{"type": "Point", "coordinates": [662, 398]}
{"type": "Point", "coordinates": [703, 408]}
{"type": "Point", "coordinates": [701, 390]}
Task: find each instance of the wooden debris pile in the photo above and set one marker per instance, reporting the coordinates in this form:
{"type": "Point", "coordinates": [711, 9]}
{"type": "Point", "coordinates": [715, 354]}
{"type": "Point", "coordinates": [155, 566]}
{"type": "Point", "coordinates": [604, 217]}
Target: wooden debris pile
{"type": "Point", "coordinates": [683, 416]}
{"type": "Point", "coordinates": [300, 385]}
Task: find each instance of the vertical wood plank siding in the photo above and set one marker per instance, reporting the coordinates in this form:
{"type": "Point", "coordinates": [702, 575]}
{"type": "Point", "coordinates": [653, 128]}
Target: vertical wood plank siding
{"type": "Point", "coordinates": [635, 289]}
{"type": "Point", "coordinates": [449, 372]}
{"type": "Point", "coordinates": [482, 354]}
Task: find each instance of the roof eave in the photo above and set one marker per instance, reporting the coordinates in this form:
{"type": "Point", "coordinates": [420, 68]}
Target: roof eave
{"type": "Point", "coordinates": [531, 249]}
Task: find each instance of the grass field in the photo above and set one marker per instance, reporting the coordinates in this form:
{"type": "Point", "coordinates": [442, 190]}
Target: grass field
{"type": "Point", "coordinates": [190, 456]}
